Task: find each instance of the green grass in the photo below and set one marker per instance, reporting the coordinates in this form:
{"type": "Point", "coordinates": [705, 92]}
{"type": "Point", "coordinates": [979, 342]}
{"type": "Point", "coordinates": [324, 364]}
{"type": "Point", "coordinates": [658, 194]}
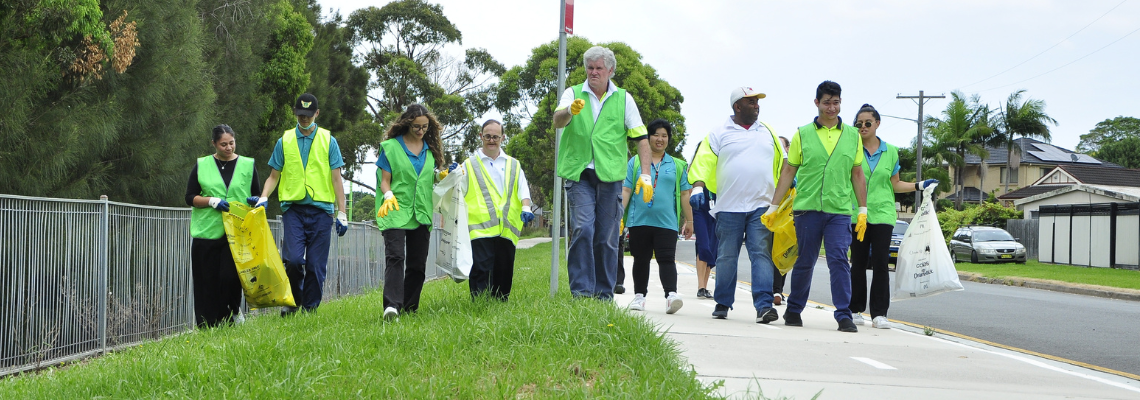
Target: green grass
{"type": "Point", "coordinates": [530, 347]}
{"type": "Point", "coordinates": [533, 231]}
{"type": "Point", "coordinates": [1119, 278]}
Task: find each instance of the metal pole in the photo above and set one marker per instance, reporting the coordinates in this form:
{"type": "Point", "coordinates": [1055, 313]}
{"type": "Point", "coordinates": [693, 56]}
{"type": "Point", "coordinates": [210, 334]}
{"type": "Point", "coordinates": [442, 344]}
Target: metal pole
{"type": "Point", "coordinates": [103, 275]}
{"type": "Point", "coordinates": [557, 193]}
{"type": "Point", "coordinates": [921, 99]}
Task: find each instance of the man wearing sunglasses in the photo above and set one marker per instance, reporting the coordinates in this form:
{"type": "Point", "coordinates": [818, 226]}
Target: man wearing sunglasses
{"type": "Point", "coordinates": [825, 158]}
{"type": "Point", "coordinates": [498, 205]}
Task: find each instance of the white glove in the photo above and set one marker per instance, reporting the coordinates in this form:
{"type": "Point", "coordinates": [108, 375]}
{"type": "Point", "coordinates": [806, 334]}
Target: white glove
{"type": "Point", "coordinates": [527, 209]}
{"type": "Point", "coordinates": [214, 202]}
{"type": "Point", "coordinates": [342, 218]}
{"type": "Point", "coordinates": [388, 195]}
{"type": "Point", "coordinates": [697, 190]}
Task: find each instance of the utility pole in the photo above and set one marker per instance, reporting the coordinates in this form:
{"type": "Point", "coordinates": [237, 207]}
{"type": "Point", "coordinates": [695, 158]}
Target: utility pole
{"type": "Point", "coordinates": [555, 244]}
{"type": "Point", "coordinates": [920, 99]}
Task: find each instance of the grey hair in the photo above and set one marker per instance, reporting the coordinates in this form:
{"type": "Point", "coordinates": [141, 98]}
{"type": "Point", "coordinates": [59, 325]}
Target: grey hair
{"type": "Point", "coordinates": [606, 55]}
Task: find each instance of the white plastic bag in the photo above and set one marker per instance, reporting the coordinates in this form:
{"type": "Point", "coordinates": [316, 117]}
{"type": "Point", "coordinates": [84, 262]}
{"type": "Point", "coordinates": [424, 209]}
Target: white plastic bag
{"type": "Point", "coordinates": [924, 266]}
{"type": "Point", "coordinates": [453, 255]}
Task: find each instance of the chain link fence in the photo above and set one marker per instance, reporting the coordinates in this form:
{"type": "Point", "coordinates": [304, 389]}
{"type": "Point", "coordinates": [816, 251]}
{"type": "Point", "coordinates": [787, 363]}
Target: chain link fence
{"type": "Point", "coordinates": [81, 277]}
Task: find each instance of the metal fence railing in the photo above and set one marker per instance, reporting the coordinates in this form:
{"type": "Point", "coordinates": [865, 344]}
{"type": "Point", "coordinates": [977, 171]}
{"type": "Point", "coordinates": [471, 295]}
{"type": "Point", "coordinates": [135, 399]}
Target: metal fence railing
{"type": "Point", "coordinates": [81, 277]}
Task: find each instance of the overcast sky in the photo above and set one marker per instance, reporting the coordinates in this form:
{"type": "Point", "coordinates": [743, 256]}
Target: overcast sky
{"type": "Point", "coordinates": [1056, 50]}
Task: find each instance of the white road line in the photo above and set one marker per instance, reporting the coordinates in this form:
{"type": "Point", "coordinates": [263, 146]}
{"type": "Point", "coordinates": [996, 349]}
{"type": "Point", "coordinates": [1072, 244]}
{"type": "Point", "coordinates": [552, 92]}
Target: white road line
{"type": "Point", "coordinates": [872, 363]}
{"type": "Point", "coordinates": [770, 327]}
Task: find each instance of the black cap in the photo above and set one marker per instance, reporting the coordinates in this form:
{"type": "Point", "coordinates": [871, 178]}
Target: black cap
{"type": "Point", "coordinates": [306, 105]}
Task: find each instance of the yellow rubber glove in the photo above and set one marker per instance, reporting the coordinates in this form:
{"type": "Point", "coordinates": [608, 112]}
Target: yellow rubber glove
{"type": "Point", "coordinates": [442, 174]}
{"type": "Point", "coordinates": [861, 223]}
{"type": "Point", "coordinates": [389, 205]}
{"type": "Point", "coordinates": [576, 106]}
{"type": "Point", "coordinates": [645, 188]}
{"type": "Point", "coordinates": [621, 227]}
{"type": "Point", "coordinates": [766, 219]}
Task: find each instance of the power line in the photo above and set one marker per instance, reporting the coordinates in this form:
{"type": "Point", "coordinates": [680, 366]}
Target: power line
{"type": "Point", "coordinates": [1050, 47]}
{"type": "Point", "coordinates": [1067, 64]}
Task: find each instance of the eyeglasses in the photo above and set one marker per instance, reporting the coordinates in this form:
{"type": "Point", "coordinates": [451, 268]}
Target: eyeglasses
{"type": "Point", "coordinates": [865, 124]}
{"type": "Point", "coordinates": [420, 127]}
{"type": "Point", "coordinates": [491, 137]}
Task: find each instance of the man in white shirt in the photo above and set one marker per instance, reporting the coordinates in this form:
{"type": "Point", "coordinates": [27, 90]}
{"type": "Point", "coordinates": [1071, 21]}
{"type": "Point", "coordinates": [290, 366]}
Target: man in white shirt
{"type": "Point", "coordinates": [498, 204]}
{"type": "Point", "coordinates": [739, 161]}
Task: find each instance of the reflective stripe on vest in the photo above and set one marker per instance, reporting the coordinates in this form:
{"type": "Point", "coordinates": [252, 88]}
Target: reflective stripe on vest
{"type": "Point", "coordinates": [299, 178]}
{"type": "Point", "coordinates": [488, 221]}
{"type": "Point", "coordinates": [206, 222]}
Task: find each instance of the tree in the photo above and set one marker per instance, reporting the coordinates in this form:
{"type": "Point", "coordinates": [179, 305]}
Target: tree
{"type": "Point", "coordinates": [930, 170]}
{"type": "Point", "coordinates": [404, 41]}
{"type": "Point", "coordinates": [1025, 118]}
{"type": "Point", "coordinates": [1109, 131]}
{"type": "Point", "coordinates": [527, 98]}
{"type": "Point", "coordinates": [1123, 152]}
{"type": "Point", "coordinates": [963, 129]}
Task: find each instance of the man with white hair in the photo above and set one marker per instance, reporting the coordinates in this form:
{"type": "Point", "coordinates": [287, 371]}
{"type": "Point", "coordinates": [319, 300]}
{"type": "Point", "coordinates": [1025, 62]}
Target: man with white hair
{"type": "Point", "coordinates": [592, 159]}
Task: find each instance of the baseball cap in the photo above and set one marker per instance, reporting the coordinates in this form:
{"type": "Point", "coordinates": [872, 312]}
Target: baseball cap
{"type": "Point", "coordinates": [742, 92]}
{"type": "Point", "coordinates": [306, 105]}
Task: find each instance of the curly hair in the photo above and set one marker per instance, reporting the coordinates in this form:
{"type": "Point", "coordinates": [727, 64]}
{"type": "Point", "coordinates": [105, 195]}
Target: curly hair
{"type": "Point", "coordinates": [403, 125]}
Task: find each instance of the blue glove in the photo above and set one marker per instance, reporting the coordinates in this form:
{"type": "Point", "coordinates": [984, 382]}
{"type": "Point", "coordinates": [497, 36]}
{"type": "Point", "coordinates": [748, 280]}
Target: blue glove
{"type": "Point", "coordinates": [341, 223]}
{"type": "Point", "coordinates": [452, 167]}
{"type": "Point", "coordinates": [219, 204]}
{"type": "Point", "coordinates": [697, 198]}
{"type": "Point", "coordinates": [527, 216]}
{"type": "Point", "coordinates": [255, 201]}
{"type": "Point", "coordinates": [927, 183]}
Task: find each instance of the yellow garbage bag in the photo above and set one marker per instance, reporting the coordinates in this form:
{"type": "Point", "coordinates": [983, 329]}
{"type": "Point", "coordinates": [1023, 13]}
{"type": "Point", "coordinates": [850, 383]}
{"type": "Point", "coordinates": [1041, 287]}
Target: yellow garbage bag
{"type": "Point", "coordinates": [255, 253]}
{"type": "Point", "coordinates": [784, 248]}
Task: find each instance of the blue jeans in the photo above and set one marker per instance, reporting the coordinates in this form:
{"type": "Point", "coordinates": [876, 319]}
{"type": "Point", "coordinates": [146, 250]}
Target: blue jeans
{"type": "Point", "coordinates": [595, 212]}
{"type": "Point", "coordinates": [305, 250]}
{"type": "Point", "coordinates": [733, 229]}
{"type": "Point", "coordinates": [834, 230]}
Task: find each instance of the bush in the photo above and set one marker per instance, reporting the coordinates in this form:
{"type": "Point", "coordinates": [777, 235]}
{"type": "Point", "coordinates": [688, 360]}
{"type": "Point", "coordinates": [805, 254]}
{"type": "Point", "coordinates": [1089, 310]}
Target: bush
{"type": "Point", "coordinates": [988, 214]}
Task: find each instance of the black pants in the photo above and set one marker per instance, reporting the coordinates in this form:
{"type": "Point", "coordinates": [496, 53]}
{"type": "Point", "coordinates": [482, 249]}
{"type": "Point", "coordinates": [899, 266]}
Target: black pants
{"type": "Point", "coordinates": [405, 248]}
{"type": "Point", "coordinates": [217, 289]}
{"type": "Point", "coordinates": [777, 280]}
{"type": "Point", "coordinates": [493, 269]}
{"type": "Point", "coordinates": [621, 263]}
{"type": "Point", "coordinates": [646, 242]}
{"type": "Point", "coordinates": [873, 249]}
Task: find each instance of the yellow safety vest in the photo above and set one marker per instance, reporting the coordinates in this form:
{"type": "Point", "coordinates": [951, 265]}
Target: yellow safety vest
{"type": "Point", "coordinates": [487, 205]}
{"type": "Point", "coordinates": [297, 179]}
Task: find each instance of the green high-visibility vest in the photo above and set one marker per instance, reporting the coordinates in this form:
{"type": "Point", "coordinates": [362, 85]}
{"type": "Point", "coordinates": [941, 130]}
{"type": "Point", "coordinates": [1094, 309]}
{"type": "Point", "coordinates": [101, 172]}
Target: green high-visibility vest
{"type": "Point", "coordinates": [487, 203]}
{"type": "Point", "coordinates": [206, 222]}
{"type": "Point", "coordinates": [705, 162]}
{"type": "Point", "coordinates": [823, 181]}
{"type": "Point", "coordinates": [679, 166]}
{"type": "Point", "coordinates": [315, 178]}
{"type": "Point", "coordinates": [413, 192]}
{"type": "Point", "coordinates": [880, 191]}
{"type": "Point", "coordinates": [601, 140]}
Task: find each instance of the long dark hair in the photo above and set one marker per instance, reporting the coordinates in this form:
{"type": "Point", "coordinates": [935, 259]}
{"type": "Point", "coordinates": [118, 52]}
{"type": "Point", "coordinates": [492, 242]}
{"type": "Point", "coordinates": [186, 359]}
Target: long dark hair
{"type": "Point", "coordinates": [403, 125]}
{"type": "Point", "coordinates": [220, 130]}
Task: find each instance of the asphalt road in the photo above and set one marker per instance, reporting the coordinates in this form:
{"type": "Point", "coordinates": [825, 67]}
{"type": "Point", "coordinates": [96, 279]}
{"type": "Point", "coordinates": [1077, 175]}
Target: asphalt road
{"type": "Point", "coordinates": [1093, 330]}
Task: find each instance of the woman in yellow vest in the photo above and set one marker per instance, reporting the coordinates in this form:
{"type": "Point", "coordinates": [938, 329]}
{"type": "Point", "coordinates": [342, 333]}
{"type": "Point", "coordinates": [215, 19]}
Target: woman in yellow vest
{"type": "Point", "coordinates": [881, 167]}
{"type": "Point", "coordinates": [406, 165]}
{"type": "Point", "coordinates": [215, 181]}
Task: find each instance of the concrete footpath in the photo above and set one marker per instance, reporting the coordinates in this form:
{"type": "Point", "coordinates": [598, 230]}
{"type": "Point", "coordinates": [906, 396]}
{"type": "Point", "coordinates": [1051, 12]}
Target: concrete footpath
{"type": "Point", "coordinates": [897, 363]}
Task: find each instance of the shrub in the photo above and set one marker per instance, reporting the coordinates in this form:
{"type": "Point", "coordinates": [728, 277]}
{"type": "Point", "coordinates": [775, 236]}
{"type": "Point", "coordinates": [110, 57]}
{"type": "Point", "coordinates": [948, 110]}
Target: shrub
{"type": "Point", "coordinates": [988, 214]}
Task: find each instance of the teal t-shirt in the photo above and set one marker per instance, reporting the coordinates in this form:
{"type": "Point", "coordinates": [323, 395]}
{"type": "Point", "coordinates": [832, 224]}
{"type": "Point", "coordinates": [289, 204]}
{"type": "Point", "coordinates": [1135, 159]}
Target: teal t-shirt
{"type": "Point", "coordinates": [663, 214]}
{"type": "Point", "coordinates": [873, 159]}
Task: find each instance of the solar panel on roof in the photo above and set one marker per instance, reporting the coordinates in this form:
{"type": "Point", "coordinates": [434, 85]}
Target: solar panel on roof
{"type": "Point", "coordinates": [1087, 159]}
{"type": "Point", "coordinates": [1050, 153]}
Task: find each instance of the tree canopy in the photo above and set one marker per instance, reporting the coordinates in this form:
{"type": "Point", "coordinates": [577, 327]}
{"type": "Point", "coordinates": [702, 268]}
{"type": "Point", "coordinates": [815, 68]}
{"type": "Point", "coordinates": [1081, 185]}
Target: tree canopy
{"type": "Point", "coordinates": [1109, 131]}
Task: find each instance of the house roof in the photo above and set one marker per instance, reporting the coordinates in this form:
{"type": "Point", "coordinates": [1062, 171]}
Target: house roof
{"type": "Point", "coordinates": [1107, 176]}
{"type": "Point", "coordinates": [1029, 191]}
{"type": "Point", "coordinates": [1034, 151]}
{"type": "Point", "coordinates": [1126, 194]}
{"type": "Point", "coordinates": [969, 194]}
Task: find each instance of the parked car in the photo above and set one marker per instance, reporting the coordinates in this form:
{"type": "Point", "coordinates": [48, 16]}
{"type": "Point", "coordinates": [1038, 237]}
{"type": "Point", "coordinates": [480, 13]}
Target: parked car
{"type": "Point", "coordinates": [985, 244]}
{"type": "Point", "coordinates": [896, 239]}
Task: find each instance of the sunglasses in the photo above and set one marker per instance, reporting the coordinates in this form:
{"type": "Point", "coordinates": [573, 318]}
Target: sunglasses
{"type": "Point", "coordinates": [865, 124]}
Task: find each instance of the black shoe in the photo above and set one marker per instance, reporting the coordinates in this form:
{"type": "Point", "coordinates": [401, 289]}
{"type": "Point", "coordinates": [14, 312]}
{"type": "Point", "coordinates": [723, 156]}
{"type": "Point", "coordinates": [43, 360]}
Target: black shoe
{"type": "Point", "coordinates": [766, 315]}
{"type": "Point", "coordinates": [704, 294]}
{"type": "Point", "coordinates": [793, 319]}
{"type": "Point", "coordinates": [721, 312]}
{"type": "Point", "coordinates": [846, 325]}
{"type": "Point", "coordinates": [287, 311]}
{"type": "Point", "coordinates": [619, 289]}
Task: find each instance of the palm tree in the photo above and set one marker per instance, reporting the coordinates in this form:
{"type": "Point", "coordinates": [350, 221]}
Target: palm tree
{"type": "Point", "coordinates": [963, 129]}
{"type": "Point", "coordinates": [1026, 118]}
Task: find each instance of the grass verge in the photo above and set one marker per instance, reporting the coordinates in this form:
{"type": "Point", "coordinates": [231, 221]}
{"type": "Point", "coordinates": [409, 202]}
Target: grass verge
{"type": "Point", "coordinates": [530, 347]}
{"type": "Point", "coordinates": [1118, 278]}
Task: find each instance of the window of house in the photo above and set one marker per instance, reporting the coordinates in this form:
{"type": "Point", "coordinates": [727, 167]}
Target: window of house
{"type": "Point", "coordinates": [1045, 171]}
{"type": "Point", "coordinates": [1012, 177]}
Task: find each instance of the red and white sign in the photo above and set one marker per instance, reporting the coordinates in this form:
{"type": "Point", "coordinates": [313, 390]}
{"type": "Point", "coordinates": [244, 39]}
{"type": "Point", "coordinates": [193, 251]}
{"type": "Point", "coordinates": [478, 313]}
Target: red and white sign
{"type": "Point", "coordinates": [569, 28]}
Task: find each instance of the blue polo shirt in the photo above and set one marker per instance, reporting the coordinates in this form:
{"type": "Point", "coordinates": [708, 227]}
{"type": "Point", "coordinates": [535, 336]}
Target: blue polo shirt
{"type": "Point", "coordinates": [304, 144]}
{"type": "Point", "coordinates": [663, 214]}
{"type": "Point", "coordinates": [417, 160]}
{"type": "Point", "coordinates": [873, 159]}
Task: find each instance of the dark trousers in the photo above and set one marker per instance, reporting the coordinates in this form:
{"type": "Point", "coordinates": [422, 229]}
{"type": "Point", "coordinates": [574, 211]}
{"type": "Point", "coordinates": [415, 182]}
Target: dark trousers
{"type": "Point", "coordinates": [595, 212]}
{"type": "Point", "coordinates": [833, 231]}
{"type": "Point", "coordinates": [621, 263]}
{"type": "Point", "coordinates": [217, 288]}
{"type": "Point", "coordinates": [873, 250]}
{"type": "Point", "coordinates": [405, 268]}
{"type": "Point", "coordinates": [778, 281]}
{"type": "Point", "coordinates": [493, 269]}
{"type": "Point", "coordinates": [305, 251]}
{"type": "Point", "coordinates": [649, 242]}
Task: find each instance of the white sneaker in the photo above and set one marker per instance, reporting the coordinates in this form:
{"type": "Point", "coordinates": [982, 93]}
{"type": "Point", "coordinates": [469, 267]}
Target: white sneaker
{"type": "Point", "coordinates": [390, 313]}
{"type": "Point", "coordinates": [239, 318]}
{"type": "Point", "coordinates": [881, 322]}
{"type": "Point", "coordinates": [857, 318]}
{"type": "Point", "coordinates": [673, 303]}
{"type": "Point", "coordinates": [638, 303]}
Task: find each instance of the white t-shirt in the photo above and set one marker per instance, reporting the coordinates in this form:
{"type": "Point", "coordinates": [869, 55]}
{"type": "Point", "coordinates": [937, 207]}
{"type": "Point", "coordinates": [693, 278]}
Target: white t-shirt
{"type": "Point", "coordinates": [744, 167]}
{"type": "Point", "coordinates": [632, 115]}
{"type": "Point", "coordinates": [497, 168]}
